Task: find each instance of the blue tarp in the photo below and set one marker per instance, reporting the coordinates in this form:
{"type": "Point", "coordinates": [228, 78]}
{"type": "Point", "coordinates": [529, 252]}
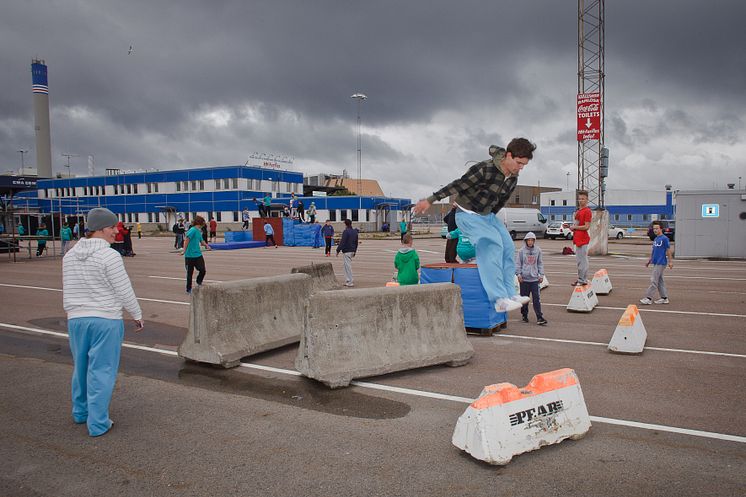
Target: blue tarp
{"type": "Point", "coordinates": [297, 234]}
{"type": "Point", "coordinates": [238, 236]}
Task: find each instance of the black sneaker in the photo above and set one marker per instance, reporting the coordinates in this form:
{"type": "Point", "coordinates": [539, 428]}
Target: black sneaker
{"type": "Point", "coordinates": [524, 319]}
{"type": "Point", "coordinates": [541, 322]}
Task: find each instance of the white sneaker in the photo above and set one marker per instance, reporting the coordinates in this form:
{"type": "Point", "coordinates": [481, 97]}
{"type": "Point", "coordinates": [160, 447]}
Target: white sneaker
{"type": "Point", "coordinates": [521, 299]}
{"type": "Point", "coordinates": [662, 301]}
{"type": "Point", "coordinates": [646, 301]}
{"type": "Point", "coordinates": [507, 305]}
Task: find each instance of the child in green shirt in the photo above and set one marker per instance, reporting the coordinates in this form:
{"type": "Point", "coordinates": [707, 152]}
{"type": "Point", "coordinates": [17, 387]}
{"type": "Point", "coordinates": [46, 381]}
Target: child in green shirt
{"type": "Point", "coordinates": [407, 262]}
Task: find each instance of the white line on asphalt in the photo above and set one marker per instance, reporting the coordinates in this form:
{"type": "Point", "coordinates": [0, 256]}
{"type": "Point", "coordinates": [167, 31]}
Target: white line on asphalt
{"type": "Point", "coordinates": [417, 393]}
{"type": "Point", "coordinates": [581, 342]}
{"type": "Point", "coordinates": [180, 279]}
{"type": "Point", "coordinates": [176, 302]}
{"type": "Point", "coordinates": [642, 309]}
{"type": "Point", "coordinates": [668, 276]}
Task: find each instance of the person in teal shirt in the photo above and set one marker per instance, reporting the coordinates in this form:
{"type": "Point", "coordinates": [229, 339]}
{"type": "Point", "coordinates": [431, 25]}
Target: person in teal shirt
{"type": "Point", "coordinates": [407, 262]}
{"type": "Point", "coordinates": [66, 236]}
{"type": "Point", "coordinates": [193, 258]}
{"type": "Point", "coordinates": [21, 230]}
{"type": "Point", "coordinates": [403, 229]}
{"type": "Point", "coordinates": [465, 250]}
{"type": "Point", "coordinates": [41, 244]}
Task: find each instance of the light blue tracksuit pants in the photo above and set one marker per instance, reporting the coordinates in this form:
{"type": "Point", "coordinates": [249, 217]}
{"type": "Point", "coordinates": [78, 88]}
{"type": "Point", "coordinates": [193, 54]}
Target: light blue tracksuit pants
{"type": "Point", "coordinates": [95, 344]}
{"type": "Point", "coordinates": [495, 252]}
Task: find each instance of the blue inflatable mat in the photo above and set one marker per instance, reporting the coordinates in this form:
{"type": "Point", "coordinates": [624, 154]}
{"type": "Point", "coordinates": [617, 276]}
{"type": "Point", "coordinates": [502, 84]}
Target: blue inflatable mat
{"type": "Point", "coordinates": [238, 236]}
{"type": "Point", "coordinates": [236, 245]}
{"type": "Point", "coordinates": [478, 312]}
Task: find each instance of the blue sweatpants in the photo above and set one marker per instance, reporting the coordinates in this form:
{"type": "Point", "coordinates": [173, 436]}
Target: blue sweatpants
{"type": "Point", "coordinates": [495, 252]}
{"type": "Point", "coordinates": [95, 344]}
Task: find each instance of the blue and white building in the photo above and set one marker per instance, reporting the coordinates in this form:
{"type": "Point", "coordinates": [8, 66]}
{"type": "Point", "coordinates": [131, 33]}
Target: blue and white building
{"type": "Point", "coordinates": [627, 208]}
{"type": "Point", "coordinates": [157, 198]}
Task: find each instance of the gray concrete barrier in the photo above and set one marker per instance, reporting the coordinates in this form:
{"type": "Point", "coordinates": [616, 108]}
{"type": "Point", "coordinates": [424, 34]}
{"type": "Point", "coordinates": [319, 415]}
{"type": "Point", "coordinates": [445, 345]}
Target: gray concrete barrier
{"type": "Point", "coordinates": [323, 276]}
{"type": "Point", "coordinates": [234, 319]}
{"type": "Point", "coordinates": [358, 333]}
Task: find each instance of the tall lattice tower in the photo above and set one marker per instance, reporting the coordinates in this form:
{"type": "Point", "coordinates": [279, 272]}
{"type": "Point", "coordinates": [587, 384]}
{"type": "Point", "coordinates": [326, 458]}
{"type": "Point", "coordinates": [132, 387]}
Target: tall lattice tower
{"type": "Point", "coordinates": [590, 104]}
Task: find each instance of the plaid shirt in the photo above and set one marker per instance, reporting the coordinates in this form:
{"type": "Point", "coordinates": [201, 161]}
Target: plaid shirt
{"type": "Point", "coordinates": [483, 189]}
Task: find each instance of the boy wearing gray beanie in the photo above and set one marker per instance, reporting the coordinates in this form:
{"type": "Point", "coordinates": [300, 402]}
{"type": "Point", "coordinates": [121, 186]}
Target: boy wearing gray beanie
{"type": "Point", "coordinates": [93, 299]}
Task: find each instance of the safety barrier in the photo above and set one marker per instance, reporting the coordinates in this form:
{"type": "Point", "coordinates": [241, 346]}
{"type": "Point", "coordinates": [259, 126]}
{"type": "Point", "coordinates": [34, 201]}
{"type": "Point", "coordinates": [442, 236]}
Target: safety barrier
{"type": "Point", "coordinates": [583, 299]}
{"type": "Point", "coordinates": [366, 332]}
{"type": "Point", "coordinates": [630, 334]}
{"type": "Point", "coordinates": [234, 319]}
{"type": "Point", "coordinates": [322, 276]}
{"type": "Point", "coordinates": [506, 420]}
{"type": "Point", "coordinates": [601, 283]}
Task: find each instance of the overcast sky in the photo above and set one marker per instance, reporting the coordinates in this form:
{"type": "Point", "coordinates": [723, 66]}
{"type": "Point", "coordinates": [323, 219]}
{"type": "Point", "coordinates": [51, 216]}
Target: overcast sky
{"type": "Point", "coordinates": [210, 82]}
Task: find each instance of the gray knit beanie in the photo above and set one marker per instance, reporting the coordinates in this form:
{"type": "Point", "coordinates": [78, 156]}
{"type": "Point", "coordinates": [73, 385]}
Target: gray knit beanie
{"type": "Point", "coordinates": [100, 218]}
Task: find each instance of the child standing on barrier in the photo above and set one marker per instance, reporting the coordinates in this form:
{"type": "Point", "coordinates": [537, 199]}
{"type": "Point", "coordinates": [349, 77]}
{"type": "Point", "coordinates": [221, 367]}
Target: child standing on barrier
{"type": "Point", "coordinates": [660, 257]}
{"type": "Point", "coordinates": [407, 262]}
{"type": "Point", "coordinates": [530, 271]}
{"type": "Point", "coordinates": [464, 248]}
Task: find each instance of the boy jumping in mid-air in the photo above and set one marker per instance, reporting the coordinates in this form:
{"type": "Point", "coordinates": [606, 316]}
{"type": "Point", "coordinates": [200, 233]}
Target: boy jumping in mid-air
{"type": "Point", "coordinates": [480, 194]}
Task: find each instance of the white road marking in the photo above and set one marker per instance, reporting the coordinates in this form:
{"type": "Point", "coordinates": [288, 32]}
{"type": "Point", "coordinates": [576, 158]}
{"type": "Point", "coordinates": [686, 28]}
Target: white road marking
{"type": "Point", "coordinates": [645, 309]}
{"type": "Point", "coordinates": [175, 302]}
{"type": "Point", "coordinates": [418, 393]}
{"type": "Point", "coordinates": [180, 279]}
{"type": "Point", "coordinates": [668, 276]}
{"type": "Point", "coordinates": [581, 342]}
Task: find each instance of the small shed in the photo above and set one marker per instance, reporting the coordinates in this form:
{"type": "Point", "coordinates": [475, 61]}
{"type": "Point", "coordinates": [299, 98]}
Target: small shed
{"type": "Point", "coordinates": [711, 223]}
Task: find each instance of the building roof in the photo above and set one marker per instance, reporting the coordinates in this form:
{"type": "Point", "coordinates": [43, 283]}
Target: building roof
{"type": "Point", "coordinates": [369, 187]}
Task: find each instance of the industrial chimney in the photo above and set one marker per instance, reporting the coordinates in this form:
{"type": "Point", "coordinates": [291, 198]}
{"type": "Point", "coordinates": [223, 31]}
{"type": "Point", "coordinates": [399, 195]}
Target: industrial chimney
{"type": "Point", "coordinates": [40, 89]}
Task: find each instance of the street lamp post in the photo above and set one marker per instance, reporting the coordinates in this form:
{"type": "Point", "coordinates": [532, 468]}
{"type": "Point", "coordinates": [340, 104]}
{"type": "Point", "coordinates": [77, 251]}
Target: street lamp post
{"type": "Point", "coordinates": [68, 162]}
{"type": "Point", "coordinates": [568, 181]}
{"type": "Point", "coordinates": [23, 166]}
{"type": "Point", "coordinates": [359, 97]}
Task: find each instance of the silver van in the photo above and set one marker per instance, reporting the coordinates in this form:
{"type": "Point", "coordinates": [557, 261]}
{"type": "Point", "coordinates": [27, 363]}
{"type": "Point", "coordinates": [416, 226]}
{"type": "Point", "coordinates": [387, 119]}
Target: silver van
{"type": "Point", "coordinates": [520, 221]}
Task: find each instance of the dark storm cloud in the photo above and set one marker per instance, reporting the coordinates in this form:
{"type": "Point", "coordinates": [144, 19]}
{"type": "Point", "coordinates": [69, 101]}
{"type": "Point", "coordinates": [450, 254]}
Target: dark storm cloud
{"type": "Point", "coordinates": [280, 74]}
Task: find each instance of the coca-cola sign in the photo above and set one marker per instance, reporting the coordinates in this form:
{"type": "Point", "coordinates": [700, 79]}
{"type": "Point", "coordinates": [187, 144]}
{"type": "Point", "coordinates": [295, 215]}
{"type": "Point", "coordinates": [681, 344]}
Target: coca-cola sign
{"type": "Point", "coordinates": [589, 116]}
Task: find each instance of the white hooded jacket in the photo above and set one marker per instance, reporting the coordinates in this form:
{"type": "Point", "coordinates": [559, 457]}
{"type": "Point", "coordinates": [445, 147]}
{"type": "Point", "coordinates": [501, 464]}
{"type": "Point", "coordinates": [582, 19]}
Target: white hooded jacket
{"type": "Point", "coordinates": [95, 283]}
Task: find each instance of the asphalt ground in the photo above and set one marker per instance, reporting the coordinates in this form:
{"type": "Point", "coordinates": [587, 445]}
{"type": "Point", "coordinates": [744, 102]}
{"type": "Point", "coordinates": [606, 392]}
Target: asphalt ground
{"type": "Point", "coordinates": [668, 422]}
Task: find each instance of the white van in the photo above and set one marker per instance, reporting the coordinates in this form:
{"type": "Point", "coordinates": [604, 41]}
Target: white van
{"type": "Point", "coordinates": [520, 221]}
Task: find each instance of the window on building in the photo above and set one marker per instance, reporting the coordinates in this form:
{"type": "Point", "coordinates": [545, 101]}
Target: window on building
{"type": "Point", "coordinates": [235, 183]}
{"type": "Point", "coordinates": [178, 186]}
{"type": "Point", "coordinates": [629, 217]}
{"type": "Point", "coordinates": [646, 217]}
{"type": "Point", "coordinates": [564, 202]}
{"type": "Point", "coordinates": [226, 183]}
{"type": "Point", "coordinates": [517, 199]}
{"type": "Point", "coordinates": [201, 184]}
{"type": "Point", "coordinates": [219, 216]}
{"type": "Point", "coordinates": [150, 217]}
{"type": "Point", "coordinates": [150, 190]}
{"type": "Point", "coordinates": [551, 217]}
{"type": "Point", "coordinates": [217, 184]}
{"type": "Point", "coordinates": [275, 186]}
{"type": "Point", "coordinates": [616, 217]}
{"type": "Point", "coordinates": [551, 202]}
{"type": "Point", "coordinates": [129, 217]}
{"type": "Point", "coordinates": [235, 216]}
{"type": "Point", "coordinates": [155, 185]}
{"type": "Point", "coordinates": [288, 188]}
{"type": "Point", "coordinates": [564, 217]}
{"type": "Point", "coordinates": [332, 214]}
{"type": "Point", "coordinates": [194, 185]}
{"type": "Point", "coordinates": [129, 189]}
{"type": "Point", "coordinates": [342, 214]}
{"type": "Point", "coordinates": [249, 184]}
{"type": "Point", "coordinates": [535, 199]}
{"type": "Point", "coordinates": [134, 188]}
{"type": "Point", "coordinates": [355, 215]}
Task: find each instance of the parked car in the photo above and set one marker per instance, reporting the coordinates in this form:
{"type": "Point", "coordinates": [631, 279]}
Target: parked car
{"type": "Point", "coordinates": [443, 231]}
{"type": "Point", "coordinates": [669, 228]}
{"type": "Point", "coordinates": [615, 232]}
{"type": "Point", "coordinates": [558, 230]}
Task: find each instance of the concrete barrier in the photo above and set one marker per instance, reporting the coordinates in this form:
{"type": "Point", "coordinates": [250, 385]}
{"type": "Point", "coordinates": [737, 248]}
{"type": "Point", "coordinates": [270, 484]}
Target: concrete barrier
{"type": "Point", "coordinates": [358, 333]}
{"type": "Point", "coordinates": [234, 319]}
{"type": "Point", "coordinates": [506, 420]}
{"type": "Point", "coordinates": [322, 276]}
{"type": "Point", "coordinates": [630, 334]}
{"type": "Point", "coordinates": [601, 283]}
{"type": "Point", "coordinates": [583, 299]}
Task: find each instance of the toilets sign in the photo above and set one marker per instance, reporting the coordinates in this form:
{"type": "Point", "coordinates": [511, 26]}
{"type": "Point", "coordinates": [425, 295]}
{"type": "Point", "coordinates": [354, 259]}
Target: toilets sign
{"type": "Point", "coordinates": [710, 210]}
{"type": "Point", "coordinates": [589, 116]}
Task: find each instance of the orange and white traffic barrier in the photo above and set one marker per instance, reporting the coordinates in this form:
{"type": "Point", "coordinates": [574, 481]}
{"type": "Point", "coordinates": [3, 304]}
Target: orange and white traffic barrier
{"type": "Point", "coordinates": [392, 283]}
{"type": "Point", "coordinates": [601, 283]}
{"type": "Point", "coordinates": [583, 299]}
{"type": "Point", "coordinates": [630, 334]}
{"type": "Point", "coordinates": [506, 420]}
